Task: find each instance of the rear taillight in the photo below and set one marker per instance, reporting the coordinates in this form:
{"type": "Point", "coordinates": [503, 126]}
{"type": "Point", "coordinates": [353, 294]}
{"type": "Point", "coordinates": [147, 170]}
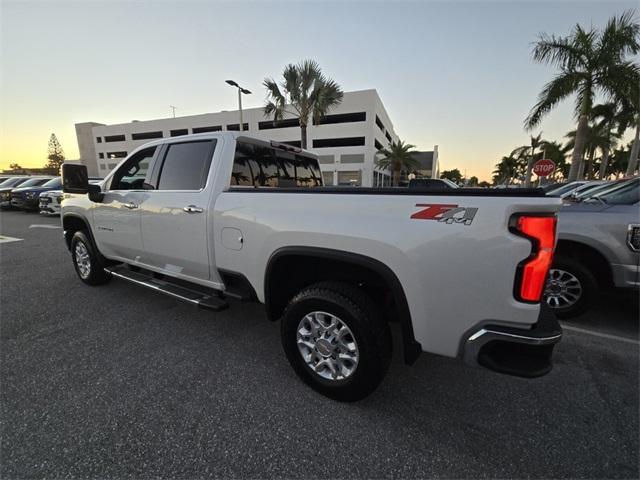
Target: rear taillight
{"type": "Point", "coordinates": [532, 272]}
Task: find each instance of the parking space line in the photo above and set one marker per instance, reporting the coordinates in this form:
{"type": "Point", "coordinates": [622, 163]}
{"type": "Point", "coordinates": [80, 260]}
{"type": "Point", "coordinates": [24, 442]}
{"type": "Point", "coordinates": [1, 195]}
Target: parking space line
{"type": "Point", "coordinates": [5, 239]}
{"type": "Point", "coordinates": [602, 335]}
{"type": "Point", "coordinates": [44, 226]}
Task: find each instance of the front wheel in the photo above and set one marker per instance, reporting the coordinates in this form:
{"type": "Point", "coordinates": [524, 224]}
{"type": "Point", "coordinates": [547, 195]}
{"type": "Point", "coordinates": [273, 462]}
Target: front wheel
{"type": "Point", "coordinates": [86, 260]}
{"type": "Point", "coordinates": [336, 340]}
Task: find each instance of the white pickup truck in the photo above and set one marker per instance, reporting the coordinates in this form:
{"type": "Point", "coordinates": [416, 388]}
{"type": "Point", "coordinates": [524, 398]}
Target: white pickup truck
{"type": "Point", "coordinates": [216, 215]}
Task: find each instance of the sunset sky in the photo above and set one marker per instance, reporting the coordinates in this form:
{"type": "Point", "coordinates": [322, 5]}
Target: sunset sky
{"type": "Point", "coordinates": [455, 74]}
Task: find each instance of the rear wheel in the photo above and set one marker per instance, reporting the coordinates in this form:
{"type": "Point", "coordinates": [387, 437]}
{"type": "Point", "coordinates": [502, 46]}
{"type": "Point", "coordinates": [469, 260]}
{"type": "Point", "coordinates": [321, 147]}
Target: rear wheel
{"type": "Point", "coordinates": [336, 340]}
{"type": "Point", "coordinates": [86, 260]}
{"type": "Point", "coordinates": [570, 288]}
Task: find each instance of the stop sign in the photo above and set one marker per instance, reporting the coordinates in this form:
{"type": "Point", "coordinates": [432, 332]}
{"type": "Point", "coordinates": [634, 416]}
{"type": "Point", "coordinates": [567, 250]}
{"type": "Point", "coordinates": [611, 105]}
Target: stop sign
{"type": "Point", "coordinates": [543, 167]}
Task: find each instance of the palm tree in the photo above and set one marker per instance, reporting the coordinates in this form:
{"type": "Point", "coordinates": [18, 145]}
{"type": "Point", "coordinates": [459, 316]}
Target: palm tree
{"type": "Point", "coordinates": [609, 117]}
{"type": "Point", "coordinates": [305, 90]}
{"type": "Point", "coordinates": [619, 161]}
{"type": "Point", "coordinates": [523, 152]}
{"type": "Point", "coordinates": [523, 159]}
{"type": "Point", "coordinates": [506, 170]}
{"type": "Point", "coordinates": [633, 153]}
{"type": "Point", "coordinates": [596, 139]}
{"type": "Point", "coordinates": [590, 62]}
{"type": "Point", "coordinates": [397, 156]}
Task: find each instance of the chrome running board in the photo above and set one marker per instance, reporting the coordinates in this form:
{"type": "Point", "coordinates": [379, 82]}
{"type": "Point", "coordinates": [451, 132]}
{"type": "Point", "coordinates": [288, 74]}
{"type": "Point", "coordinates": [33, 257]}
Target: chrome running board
{"type": "Point", "coordinates": [210, 301]}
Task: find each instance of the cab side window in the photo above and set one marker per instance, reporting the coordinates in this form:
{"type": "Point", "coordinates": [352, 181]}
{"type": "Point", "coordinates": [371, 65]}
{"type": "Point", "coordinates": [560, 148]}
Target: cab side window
{"type": "Point", "coordinates": [186, 165]}
{"type": "Point", "coordinates": [132, 175]}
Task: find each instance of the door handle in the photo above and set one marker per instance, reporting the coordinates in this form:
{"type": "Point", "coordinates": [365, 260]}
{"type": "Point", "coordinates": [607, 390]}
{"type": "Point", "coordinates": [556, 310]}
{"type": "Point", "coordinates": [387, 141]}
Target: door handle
{"type": "Point", "coordinates": [192, 209]}
{"type": "Point", "coordinates": [130, 206]}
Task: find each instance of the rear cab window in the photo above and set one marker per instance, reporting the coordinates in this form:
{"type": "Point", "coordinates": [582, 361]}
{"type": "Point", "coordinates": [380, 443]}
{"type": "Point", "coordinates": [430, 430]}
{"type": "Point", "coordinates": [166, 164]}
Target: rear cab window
{"type": "Point", "coordinates": [257, 165]}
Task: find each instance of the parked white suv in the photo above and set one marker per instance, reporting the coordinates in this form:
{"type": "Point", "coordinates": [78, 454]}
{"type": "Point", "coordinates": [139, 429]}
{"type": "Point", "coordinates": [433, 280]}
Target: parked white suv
{"type": "Point", "coordinates": [207, 216]}
{"type": "Point", "coordinates": [50, 202]}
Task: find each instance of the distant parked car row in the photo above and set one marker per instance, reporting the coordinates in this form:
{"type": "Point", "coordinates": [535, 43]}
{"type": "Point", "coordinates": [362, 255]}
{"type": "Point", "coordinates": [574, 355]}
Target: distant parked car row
{"type": "Point", "coordinates": [20, 186]}
{"type": "Point", "coordinates": [579, 190]}
{"type": "Point", "coordinates": [32, 193]}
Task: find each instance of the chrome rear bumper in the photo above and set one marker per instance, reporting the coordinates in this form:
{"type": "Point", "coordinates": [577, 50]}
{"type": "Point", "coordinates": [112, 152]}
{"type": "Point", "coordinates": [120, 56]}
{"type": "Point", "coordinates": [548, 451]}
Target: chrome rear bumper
{"type": "Point", "coordinates": [514, 351]}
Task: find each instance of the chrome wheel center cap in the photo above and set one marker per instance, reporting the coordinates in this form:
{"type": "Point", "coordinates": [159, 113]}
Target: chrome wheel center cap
{"type": "Point", "coordinates": [324, 347]}
{"type": "Point", "coordinates": [554, 287]}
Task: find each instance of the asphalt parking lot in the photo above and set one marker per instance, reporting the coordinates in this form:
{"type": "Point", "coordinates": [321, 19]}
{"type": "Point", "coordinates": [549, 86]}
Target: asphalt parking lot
{"type": "Point", "coordinates": [117, 382]}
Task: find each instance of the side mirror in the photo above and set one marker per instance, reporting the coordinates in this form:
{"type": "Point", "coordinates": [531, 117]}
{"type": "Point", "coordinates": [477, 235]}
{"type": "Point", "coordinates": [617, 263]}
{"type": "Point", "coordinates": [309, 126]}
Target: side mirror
{"type": "Point", "coordinates": [75, 178]}
{"type": "Point", "coordinates": [95, 193]}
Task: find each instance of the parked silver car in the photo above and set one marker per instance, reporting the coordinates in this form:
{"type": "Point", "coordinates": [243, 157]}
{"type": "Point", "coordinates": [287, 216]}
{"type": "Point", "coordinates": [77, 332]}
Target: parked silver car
{"type": "Point", "coordinates": [598, 247]}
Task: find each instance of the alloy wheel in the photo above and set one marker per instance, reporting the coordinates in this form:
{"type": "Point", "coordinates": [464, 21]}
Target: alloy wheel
{"type": "Point", "coordinates": [83, 259]}
{"type": "Point", "coordinates": [327, 346]}
{"type": "Point", "coordinates": [563, 289]}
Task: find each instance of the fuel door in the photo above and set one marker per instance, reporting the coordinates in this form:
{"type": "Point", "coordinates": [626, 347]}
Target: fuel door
{"type": "Point", "coordinates": [232, 238]}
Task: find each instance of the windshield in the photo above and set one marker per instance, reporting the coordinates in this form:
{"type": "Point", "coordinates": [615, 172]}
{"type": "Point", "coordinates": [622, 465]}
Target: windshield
{"type": "Point", "coordinates": [585, 190]}
{"type": "Point", "coordinates": [449, 182]}
{"type": "Point", "coordinates": [34, 182]}
{"type": "Point", "coordinates": [626, 193]}
{"type": "Point", "coordinates": [10, 182]}
{"type": "Point", "coordinates": [53, 183]}
{"type": "Point", "coordinates": [577, 191]}
{"type": "Point", "coordinates": [605, 187]}
{"type": "Point", "coordinates": [552, 187]}
{"type": "Point", "coordinates": [565, 188]}
{"type": "Point", "coordinates": [13, 181]}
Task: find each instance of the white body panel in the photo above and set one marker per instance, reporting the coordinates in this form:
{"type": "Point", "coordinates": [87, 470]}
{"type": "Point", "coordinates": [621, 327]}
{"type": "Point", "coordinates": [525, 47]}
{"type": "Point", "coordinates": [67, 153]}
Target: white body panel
{"type": "Point", "coordinates": [116, 228]}
{"type": "Point", "coordinates": [454, 276]}
{"type": "Point", "coordinates": [182, 248]}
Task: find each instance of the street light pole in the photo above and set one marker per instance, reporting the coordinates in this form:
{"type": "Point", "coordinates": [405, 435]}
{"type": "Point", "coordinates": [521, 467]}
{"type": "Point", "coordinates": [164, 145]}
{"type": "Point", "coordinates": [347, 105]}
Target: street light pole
{"type": "Point", "coordinates": [173, 109]}
{"type": "Point", "coordinates": [240, 108]}
{"type": "Point", "coordinates": [240, 92]}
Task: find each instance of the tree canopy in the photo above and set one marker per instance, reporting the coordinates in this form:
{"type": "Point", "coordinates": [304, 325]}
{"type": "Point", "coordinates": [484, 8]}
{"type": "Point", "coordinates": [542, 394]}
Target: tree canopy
{"type": "Point", "coordinates": [306, 91]}
{"type": "Point", "coordinates": [397, 156]}
{"type": "Point", "coordinates": [590, 62]}
{"type": "Point", "coordinates": [454, 175]}
{"type": "Point", "coordinates": [55, 155]}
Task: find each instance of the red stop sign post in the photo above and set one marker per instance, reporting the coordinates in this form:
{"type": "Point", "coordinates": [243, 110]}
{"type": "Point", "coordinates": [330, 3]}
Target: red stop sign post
{"type": "Point", "coordinates": [543, 167]}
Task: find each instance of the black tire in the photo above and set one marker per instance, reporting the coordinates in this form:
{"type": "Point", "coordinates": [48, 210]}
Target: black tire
{"type": "Point", "coordinates": [369, 330]}
{"type": "Point", "coordinates": [587, 283]}
{"type": "Point", "coordinates": [95, 275]}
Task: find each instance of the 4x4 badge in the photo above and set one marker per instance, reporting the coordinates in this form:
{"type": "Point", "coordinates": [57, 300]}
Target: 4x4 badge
{"type": "Point", "coordinates": [446, 213]}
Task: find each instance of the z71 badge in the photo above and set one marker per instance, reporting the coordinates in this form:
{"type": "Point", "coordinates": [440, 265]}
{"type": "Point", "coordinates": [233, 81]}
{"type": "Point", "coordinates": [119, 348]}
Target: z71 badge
{"type": "Point", "coordinates": [445, 213]}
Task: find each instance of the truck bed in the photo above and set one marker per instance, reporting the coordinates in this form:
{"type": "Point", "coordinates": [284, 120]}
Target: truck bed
{"type": "Point", "coordinates": [456, 273]}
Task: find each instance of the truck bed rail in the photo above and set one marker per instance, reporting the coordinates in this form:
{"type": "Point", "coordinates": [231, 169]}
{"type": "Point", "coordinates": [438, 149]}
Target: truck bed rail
{"type": "Point", "coordinates": [452, 192]}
